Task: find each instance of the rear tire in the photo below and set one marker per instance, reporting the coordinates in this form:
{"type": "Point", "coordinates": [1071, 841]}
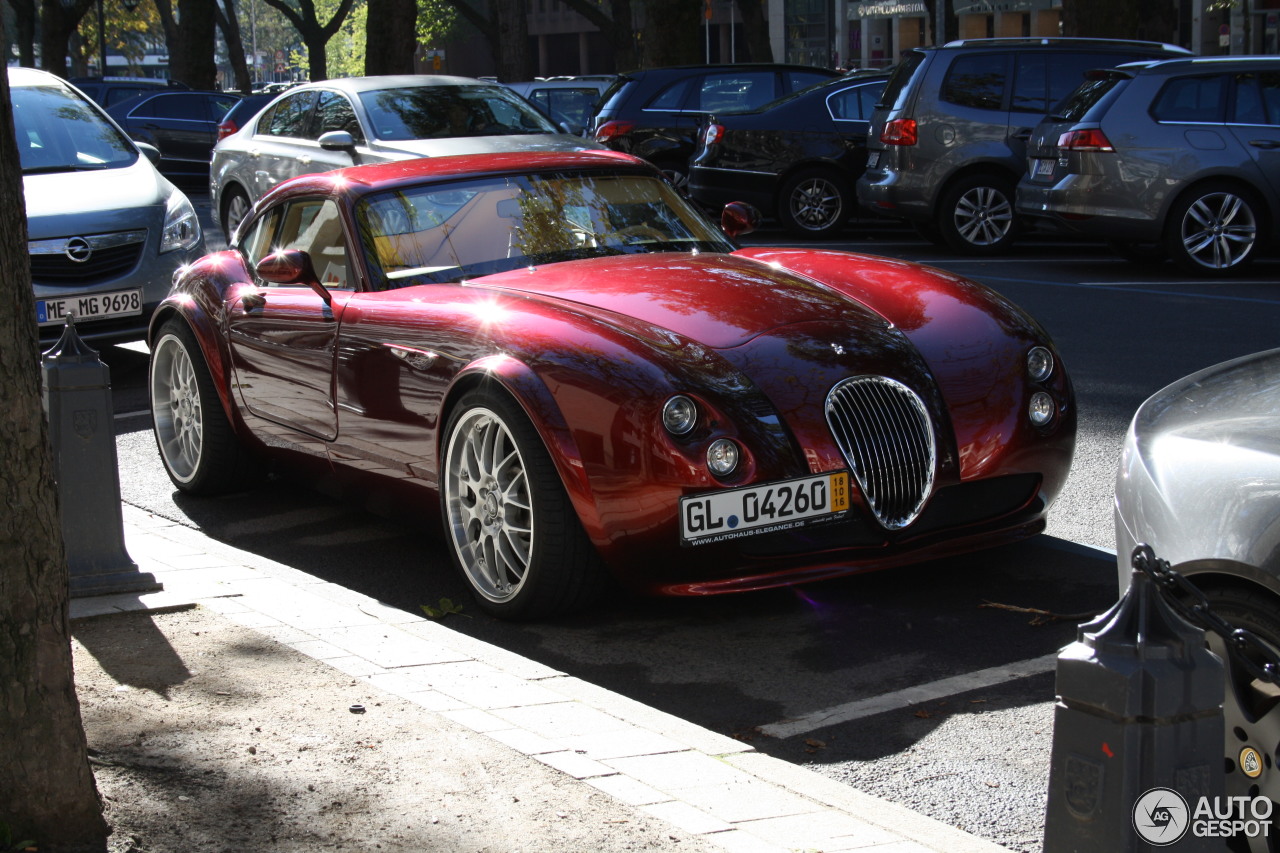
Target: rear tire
{"type": "Point", "coordinates": [198, 446]}
{"type": "Point", "coordinates": [235, 207]}
{"type": "Point", "coordinates": [976, 215]}
{"type": "Point", "coordinates": [815, 203]}
{"type": "Point", "coordinates": [1215, 230]}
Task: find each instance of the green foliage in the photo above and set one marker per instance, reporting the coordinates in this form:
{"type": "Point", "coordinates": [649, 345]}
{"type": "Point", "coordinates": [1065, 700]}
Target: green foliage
{"type": "Point", "coordinates": [8, 845]}
{"type": "Point", "coordinates": [445, 608]}
{"type": "Point", "coordinates": [438, 20]}
{"type": "Point", "coordinates": [344, 53]}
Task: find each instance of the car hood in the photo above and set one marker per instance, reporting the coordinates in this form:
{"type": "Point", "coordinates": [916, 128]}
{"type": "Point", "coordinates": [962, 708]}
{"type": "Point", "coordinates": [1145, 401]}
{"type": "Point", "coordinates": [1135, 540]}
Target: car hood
{"type": "Point", "coordinates": [404, 149]}
{"type": "Point", "coordinates": [717, 300]}
{"type": "Point", "coordinates": [90, 197]}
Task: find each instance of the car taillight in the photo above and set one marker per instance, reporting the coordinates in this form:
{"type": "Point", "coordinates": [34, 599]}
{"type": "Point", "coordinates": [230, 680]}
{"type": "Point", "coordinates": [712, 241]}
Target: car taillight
{"type": "Point", "coordinates": [613, 130]}
{"type": "Point", "coordinates": [1084, 140]}
{"type": "Point", "coordinates": [899, 131]}
{"type": "Point", "coordinates": [226, 128]}
{"type": "Point", "coordinates": [713, 134]}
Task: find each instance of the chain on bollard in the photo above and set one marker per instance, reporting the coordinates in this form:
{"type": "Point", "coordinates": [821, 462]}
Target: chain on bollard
{"type": "Point", "coordinates": [1177, 591]}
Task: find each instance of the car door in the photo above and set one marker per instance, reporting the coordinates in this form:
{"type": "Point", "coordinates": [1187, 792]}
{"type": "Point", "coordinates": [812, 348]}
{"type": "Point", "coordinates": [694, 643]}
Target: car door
{"type": "Point", "coordinates": [282, 337]}
{"type": "Point", "coordinates": [279, 140]}
{"type": "Point", "coordinates": [176, 123]}
{"type": "Point", "coordinates": [850, 109]}
{"type": "Point", "coordinates": [1255, 122]}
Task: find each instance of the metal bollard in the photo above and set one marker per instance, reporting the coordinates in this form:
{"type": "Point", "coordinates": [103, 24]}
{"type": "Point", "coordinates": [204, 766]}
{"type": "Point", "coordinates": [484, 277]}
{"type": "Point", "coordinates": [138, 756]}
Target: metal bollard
{"type": "Point", "coordinates": [77, 402]}
{"type": "Point", "coordinates": [1137, 733]}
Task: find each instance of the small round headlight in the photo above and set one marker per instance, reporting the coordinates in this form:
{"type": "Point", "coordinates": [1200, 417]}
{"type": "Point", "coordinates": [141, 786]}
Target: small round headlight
{"type": "Point", "coordinates": [722, 457]}
{"type": "Point", "coordinates": [679, 415]}
{"type": "Point", "coordinates": [1040, 411]}
{"type": "Point", "coordinates": [1039, 363]}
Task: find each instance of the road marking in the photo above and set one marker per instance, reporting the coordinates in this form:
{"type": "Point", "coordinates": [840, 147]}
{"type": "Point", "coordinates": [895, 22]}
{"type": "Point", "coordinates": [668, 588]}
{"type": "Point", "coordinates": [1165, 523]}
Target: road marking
{"type": "Point", "coordinates": [912, 696]}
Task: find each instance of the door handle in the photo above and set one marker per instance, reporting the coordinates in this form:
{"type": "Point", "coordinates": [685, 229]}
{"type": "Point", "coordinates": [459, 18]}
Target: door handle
{"type": "Point", "coordinates": [1267, 144]}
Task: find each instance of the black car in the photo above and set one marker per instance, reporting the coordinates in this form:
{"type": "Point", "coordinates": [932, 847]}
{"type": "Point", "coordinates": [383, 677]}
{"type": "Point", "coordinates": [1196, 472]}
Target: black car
{"type": "Point", "coordinates": [655, 113]}
{"type": "Point", "coordinates": [182, 125]}
{"type": "Point", "coordinates": [109, 91]}
{"type": "Point", "coordinates": [796, 158]}
{"type": "Point", "coordinates": [243, 110]}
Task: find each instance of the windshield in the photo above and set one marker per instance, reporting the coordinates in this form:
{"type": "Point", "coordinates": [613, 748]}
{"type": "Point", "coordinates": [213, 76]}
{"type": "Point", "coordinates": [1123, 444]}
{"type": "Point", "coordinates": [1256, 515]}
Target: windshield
{"type": "Point", "coordinates": [58, 131]}
{"type": "Point", "coordinates": [442, 112]}
{"type": "Point", "coordinates": [451, 232]}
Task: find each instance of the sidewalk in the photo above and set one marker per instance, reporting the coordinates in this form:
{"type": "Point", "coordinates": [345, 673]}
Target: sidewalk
{"type": "Point", "coordinates": [694, 780]}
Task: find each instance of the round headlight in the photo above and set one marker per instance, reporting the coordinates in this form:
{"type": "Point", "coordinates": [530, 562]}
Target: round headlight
{"type": "Point", "coordinates": [679, 415]}
{"type": "Point", "coordinates": [1041, 409]}
{"type": "Point", "coordinates": [722, 457]}
{"type": "Point", "coordinates": [1039, 363]}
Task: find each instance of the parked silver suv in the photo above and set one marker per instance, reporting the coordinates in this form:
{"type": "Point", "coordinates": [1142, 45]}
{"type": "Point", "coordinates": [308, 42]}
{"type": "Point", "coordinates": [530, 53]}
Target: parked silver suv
{"type": "Point", "coordinates": [947, 141]}
{"type": "Point", "coordinates": [1180, 157]}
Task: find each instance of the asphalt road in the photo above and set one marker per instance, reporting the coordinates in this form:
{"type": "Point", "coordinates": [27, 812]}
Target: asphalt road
{"type": "Point", "coordinates": [931, 686]}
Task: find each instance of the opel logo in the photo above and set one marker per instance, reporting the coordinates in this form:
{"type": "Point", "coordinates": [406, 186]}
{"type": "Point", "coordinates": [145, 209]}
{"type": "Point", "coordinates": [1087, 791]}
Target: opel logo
{"type": "Point", "coordinates": [78, 249]}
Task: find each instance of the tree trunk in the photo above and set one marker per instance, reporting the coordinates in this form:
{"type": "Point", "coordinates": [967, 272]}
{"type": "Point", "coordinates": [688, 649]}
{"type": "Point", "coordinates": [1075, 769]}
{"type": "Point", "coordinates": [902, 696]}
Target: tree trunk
{"type": "Point", "coordinates": [314, 35]}
{"type": "Point", "coordinates": [391, 37]}
{"type": "Point", "coordinates": [230, 26]}
{"type": "Point", "coordinates": [755, 27]}
{"type": "Point", "coordinates": [192, 62]}
{"type": "Point", "coordinates": [49, 791]}
{"type": "Point", "coordinates": [24, 16]}
{"type": "Point", "coordinates": [1100, 18]}
{"type": "Point", "coordinates": [57, 23]}
{"type": "Point", "coordinates": [515, 60]}
{"type": "Point", "coordinates": [673, 32]}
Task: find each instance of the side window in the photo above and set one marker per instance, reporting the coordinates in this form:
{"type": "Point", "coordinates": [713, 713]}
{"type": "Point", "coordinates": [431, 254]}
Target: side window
{"type": "Point", "coordinates": [1257, 98]}
{"type": "Point", "coordinates": [736, 90]}
{"type": "Point", "coordinates": [854, 103]}
{"type": "Point", "coordinates": [315, 227]}
{"type": "Point", "coordinates": [289, 117]}
{"type": "Point", "coordinates": [977, 80]}
{"type": "Point", "coordinates": [259, 242]}
{"type": "Point", "coordinates": [1192, 99]}
{"type": "Point", "coordinates": [800, 79]}
{"type": "Point", "coordinates": [219, 106]}
{"type": "Point", "coordinates": [334, 112]}
{"type": "Point", "coordinates": [174, 107]}
{"type": "Point", "coordinates": [1031, 83]}
{"type": "Point", "coordinates": [671, 98]}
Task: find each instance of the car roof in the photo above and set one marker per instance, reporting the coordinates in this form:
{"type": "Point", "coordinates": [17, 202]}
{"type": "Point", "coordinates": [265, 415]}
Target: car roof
{"type": "Point", "coordinates": [1064, 41]}
{"type": "Point", "coordinates": [19, 76]}
{"type": "Point", "coordinates": [399, 172]}
{"type": "Point", "coordinates": [1201, 63]}
{"type": "Point", "coordinates": [390, 81]}
{"type": "Point", "coordinates": [131, 102]}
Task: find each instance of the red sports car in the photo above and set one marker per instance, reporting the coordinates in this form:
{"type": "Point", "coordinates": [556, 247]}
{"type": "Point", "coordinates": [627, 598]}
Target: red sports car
{"type": "Point", "coordinates": [592, 380]}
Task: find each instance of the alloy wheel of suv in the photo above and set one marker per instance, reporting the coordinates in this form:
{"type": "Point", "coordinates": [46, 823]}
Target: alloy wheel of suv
{"type": "Point", "coordinates": [976, 215]}
{"type": "Point", "coordinates": [1215, 229]}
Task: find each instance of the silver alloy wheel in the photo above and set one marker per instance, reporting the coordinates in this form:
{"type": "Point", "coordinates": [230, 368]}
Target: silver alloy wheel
{"type": "Point", "coordinates": [176, 408]}
{"type": "Point", "coordinates": [237, 209]}
{"type": "Point", "coordinates": [1219, 230]}
{"type": "Point", "coordinates": [983, 216]}
{"type": "Point", "coordinates": [816, 203]}
{"type": "Point", "coordinates": [489, 506]}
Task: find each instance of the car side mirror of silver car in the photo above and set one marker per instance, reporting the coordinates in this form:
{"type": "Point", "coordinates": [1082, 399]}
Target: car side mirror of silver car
{"type": "Point", "coordinates": [337, 140]}
{"type": "Point", "coordinates": [739, 218]}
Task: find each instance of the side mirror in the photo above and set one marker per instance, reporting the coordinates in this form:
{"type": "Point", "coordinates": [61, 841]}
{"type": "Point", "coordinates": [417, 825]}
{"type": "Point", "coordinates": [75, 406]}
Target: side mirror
{"type": "Point", "coordinates": [739, 218]}
{"type": "Point", "coordinates": [337, 140]}
{"type": "Point", "coordinates": [149, 151]}
{"type": "Point", "coordinates": [291, 266]}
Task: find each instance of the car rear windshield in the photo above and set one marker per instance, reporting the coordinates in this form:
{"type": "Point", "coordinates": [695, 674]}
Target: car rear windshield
{"type": "Point", "coordinates": [1096, 86]}
{"type": "Point", "coordinates": [897, 84]}
{"type": "Point", "coordinates": [58, 131]}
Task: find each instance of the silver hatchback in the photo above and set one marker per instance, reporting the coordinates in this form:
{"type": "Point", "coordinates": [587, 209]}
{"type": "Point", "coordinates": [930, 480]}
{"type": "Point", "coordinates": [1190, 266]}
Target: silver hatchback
{"type": "Point", "coordinates": [1179, 158]}
{"type": "Point", "coordinates": [317, 127]}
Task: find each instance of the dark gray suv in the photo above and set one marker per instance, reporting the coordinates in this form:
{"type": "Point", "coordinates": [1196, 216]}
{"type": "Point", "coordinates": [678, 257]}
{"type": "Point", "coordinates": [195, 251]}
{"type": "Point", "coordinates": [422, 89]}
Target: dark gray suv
{"type": "Point", "coordinates": [1177, 158]}
{"type": "Point", "coordinates": [948, 138]}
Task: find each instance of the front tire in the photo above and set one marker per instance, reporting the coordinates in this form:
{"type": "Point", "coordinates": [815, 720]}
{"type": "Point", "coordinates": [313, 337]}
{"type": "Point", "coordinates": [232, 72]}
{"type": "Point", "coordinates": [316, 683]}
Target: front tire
{"type": "Point", "coordinates": [1216, 230]}
{"type": "Point", "coordinates": [198, 447]}
{"type": "Point", "coordinates": [1251, 708]}
{"type": "Point", "coordinates": [976, 215]}
{"type": "Point", "coordinates": [815, 203]}
{"type": "Point", "coordinates": [513, 530]}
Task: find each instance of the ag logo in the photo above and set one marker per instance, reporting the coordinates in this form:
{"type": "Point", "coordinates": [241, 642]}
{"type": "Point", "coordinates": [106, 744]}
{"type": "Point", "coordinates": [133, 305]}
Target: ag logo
{"type": "Point", "coordinates": [1160, 817]}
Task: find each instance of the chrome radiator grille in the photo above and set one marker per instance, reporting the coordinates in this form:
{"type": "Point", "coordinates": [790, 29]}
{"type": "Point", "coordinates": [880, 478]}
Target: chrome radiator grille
{"type": "Point", "coordinates": [884, 431]}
